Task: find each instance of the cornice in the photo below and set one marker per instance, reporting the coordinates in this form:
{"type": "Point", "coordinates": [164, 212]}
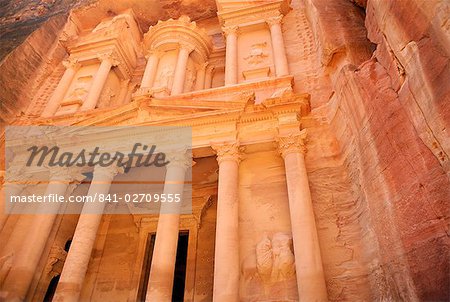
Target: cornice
{"type": "Point", "coordinates": [252, 14]}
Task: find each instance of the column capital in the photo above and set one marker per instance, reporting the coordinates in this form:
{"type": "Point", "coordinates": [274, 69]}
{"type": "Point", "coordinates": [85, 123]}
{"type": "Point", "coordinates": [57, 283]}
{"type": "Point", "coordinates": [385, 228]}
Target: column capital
{"type": "Point", "coordinates": [180, 158]}
{"type": "Point", "coordinates": [292, 143]}
{"type": "Point", "coordinates": [71, 63]}
{"type": "Point", "coordinates": [210, 68]}
{"type": "Point", "coordinates": [186, 46]}
{"type": "Point", "coordinates": [65, 174]}
{"type": "Point", "coordinates": [14, 172]}
{"type": "Point", "coordinates": [230, 30]}
{"type": "Point", "coordinates": [107, 173]}
{"type": "Point", "coordinates": [228, 152]}
{"type": "Point", "coordinates": [110, 57]}
{"type": "Point", "coordinates": [202, 66]}
{"type": "Point", "coordinates": [274, 20]}
{"type": "Point", "coordinates": [154, 52]}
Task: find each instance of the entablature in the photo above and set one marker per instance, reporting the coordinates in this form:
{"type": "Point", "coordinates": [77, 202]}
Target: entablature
{"type": "Point", "coordinates": [251, 15]}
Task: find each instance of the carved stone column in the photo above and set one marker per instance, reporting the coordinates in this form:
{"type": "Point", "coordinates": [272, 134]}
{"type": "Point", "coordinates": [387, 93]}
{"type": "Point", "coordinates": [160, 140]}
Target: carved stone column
{"type": "Point", "coordinates": [107, 62]}
{"type": "Point", "coordinates": [308, 261]}
{"type": "Point", "coordinates": [124, 89]}
{"type": "Point", "coordinates": [26, 260]}
{"type": "Point", "coordinates": [226, 259]}
{"type": "Point", "coordinates": [10, 188]}
{"type": "Point", "coordinates": [76, 264]}
{"type": "Point", "coordinates": [209, 76]}
{"type": "Point", "coordinates": [231, 63]}
{"type": "Point", "coordinates": [52, 106]}
{"type": "Point", "coordinates": [180, 69]}
{"type": "Point", "coordinates": [279, 52]}
{"type": "Point", "coordinates": [150, 69]}
{"type": "Point", "coordinates": [165, 251]}
{"type": "Point", "coordinates": [200, 78]}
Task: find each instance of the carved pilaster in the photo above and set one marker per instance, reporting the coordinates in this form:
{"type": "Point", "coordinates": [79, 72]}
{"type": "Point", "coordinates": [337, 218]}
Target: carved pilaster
{"type": "Point", "coordinates": [202, 66]}
{"type": "Point", "coordinates": [293, 143]}
{"type": "Point", "coordinates": [210, 68]}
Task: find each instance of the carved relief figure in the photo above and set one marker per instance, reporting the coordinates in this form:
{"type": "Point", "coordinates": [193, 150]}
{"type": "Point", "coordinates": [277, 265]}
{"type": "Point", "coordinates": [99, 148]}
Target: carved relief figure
{"type": "Point", "coordinates": [270, 270]}
{"type": "Point", "coordinates": [106, 97]}
{"type": "Point", "coordinates": [264, 259]}
{"type": "Point", "coordinates": [79, 92]}
{"type": "Point", "coordinates": [190, 79]}
{"type": "Point", "coordinates": [257, 54]}
{"type": "Point", "coordinates": [274, 258]}
{"type": "Point", "coordinates": [165, 77]}
{"type": "Point", "coordinates": [283, 257]}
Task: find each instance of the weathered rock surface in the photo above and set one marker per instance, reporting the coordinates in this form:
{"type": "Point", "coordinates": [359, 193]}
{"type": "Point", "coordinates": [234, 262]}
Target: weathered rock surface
{"type": "Point", "coordinates": [390, 116]}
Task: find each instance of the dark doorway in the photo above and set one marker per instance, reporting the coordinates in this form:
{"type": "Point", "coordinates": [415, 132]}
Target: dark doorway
{"type": "Point", "coordinates": [180, 267]}
{"type": "Point", "coordinates": [150, 244]}
{"type": "Point", "coordinates": [51, 289]}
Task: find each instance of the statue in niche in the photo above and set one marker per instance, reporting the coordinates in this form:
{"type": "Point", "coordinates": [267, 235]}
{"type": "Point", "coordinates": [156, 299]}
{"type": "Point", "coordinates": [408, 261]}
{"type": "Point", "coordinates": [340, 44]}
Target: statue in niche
{"type": "Point", "coordinates": [269, 272]}
{"type": "Point", "coordinates": [79, 92]}
{"type": "Point", "coordinates": [107, 26]}
{"type": "Point", "coordinates": [165, 77]}
{"type": "Point", "coordinates": [106, 97]}
{"type": "Point", "coordinates": [257, 54]}
{"type": "Point", "coordinates": [190, 79]}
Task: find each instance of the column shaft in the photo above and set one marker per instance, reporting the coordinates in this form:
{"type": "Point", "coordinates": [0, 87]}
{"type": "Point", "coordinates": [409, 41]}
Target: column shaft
{"type": "Point", "coordinates": [60, 91]}
{"type": "Point", "coordinates": [150, 71]}
{"type": "Point", "coordinates": [180, 70]}
{"type": "Point", "coordinates": [165, 251]}
{"type": "Point", "coordinates": [77, 261]}
{"type": "Point", "coordinates": [200, 78]}
{"type": "Point", "coordinates": [308, 262]}
{"type": "Point", "coordinates": [97, 85]}
{"type": "Point", "coordinates": [18, 281]}
{"type": "Point", "coordinates": [209, 77]}
{"type": "Point", "coordinates": [7, 191]}
{"type": "Point", "coordinates": [226, 258]}
{"type": "Point", "coordinates": [231, 67]}
{"type": "Point", "coordinates": [279, 52]}
{"type": "Point", "coordinates": [124, 89]}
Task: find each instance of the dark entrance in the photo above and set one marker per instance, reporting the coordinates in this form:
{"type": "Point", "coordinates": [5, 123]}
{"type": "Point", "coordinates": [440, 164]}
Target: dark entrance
{"type": "Point", "coordinates": [51, 289]}
{"type": "Point", "coordinates": [180, 267]}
